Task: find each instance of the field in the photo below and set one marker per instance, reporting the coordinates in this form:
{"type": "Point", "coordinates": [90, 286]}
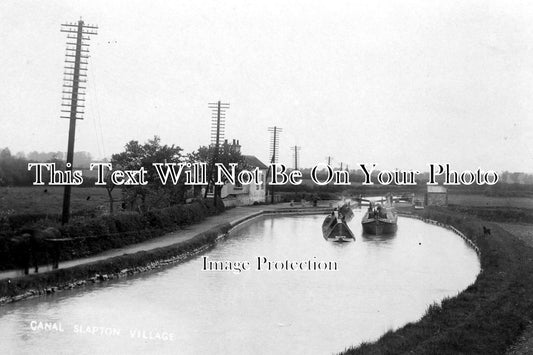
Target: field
{"type": "Point", "coordinates": [35, 200]}
{"type": "Point", "coordinates": [49, 199]}
{"type": "Point", "coordinates": [485, 201]}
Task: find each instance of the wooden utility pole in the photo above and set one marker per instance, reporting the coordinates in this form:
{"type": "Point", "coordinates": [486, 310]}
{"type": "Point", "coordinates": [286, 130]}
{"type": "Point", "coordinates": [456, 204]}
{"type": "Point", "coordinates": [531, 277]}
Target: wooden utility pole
{"type": "Point", "coordinates": [73, 93]}
{"type": "Point", "coordinates": [218, 117]}
{"type": "Point", "coordinates": [274, 152]}
{"type": "Point", "coordinates": [296, 150]}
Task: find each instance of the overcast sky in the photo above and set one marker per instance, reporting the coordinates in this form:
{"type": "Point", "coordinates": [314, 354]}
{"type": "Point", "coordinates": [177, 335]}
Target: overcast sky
{"type": "Point", "coordinates": [398, 83]}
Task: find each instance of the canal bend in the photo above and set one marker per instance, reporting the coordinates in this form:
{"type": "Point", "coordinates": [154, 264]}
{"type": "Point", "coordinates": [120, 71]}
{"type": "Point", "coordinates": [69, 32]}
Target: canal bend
{"type": "Point", "coordinates": [282, 288]}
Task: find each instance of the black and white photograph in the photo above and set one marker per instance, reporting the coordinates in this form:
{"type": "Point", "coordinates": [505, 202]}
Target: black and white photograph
{"type": "Point", "coordinates": [266, 177]}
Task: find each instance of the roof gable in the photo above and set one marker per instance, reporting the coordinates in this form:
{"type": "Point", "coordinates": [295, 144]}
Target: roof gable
{"type": "Point", "coordinates": [253, 161]}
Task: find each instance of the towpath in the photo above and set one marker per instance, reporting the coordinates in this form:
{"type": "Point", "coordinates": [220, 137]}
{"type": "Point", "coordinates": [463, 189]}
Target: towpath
{"type": "Point", "coordinates": [524, 345]}
{"type": "Point", "coordinates": [232, 216]}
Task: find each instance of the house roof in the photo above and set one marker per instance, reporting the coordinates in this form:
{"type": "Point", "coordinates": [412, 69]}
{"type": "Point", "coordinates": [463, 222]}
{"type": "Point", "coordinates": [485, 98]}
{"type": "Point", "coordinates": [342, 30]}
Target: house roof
{"type": "Point", "coordinates": [253, 162]}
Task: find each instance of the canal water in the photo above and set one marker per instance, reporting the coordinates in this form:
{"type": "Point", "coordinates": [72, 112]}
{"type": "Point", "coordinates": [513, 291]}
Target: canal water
{"type": "Point", "coordinates": [379, 284]}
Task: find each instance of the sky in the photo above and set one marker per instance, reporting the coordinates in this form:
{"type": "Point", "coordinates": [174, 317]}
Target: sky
{"type": "Point", "coordinates": [397, 83]}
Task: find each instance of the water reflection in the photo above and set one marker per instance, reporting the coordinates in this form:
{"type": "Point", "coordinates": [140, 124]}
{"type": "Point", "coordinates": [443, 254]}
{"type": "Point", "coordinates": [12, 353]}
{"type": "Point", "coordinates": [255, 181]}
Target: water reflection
{"type": "Point", "coordinates": [380, 238]}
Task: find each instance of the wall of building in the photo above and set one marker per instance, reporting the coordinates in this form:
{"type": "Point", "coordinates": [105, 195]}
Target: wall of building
{"type": "Point", "coordinates": [244, 195]}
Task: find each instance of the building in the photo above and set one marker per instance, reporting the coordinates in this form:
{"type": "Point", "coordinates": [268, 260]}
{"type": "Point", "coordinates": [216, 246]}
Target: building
{"type": "Point", "coordinates": [239, 195]}
{"type": "Point", "coordinates": [436, 196]}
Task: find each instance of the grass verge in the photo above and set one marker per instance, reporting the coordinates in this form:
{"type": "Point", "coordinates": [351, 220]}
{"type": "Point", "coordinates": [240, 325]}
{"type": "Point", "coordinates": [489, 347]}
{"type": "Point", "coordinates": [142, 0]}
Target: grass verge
{"type": "Point", "coordinates": [85, 236]}
{"type": "Point", "coordinates": [36, 284]}
{"type": "Point", "coordinates": [488, 316]}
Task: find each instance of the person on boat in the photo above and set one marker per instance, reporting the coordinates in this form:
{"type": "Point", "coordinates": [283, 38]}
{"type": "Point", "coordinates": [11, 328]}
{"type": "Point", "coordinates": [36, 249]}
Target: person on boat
{"type": "Point", "coordinates": [371, 212]}
{"type": "Point", "coordinates": [379, 209]}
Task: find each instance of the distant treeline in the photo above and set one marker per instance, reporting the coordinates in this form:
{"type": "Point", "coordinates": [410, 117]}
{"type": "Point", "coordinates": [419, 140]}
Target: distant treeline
{"type": "Point", "coordinates": [502, 188]}
{"type": "Point", "coordinates": [357, 176]}
{"type": "Point", "coordinates": [81, 159]}
{"type": "Point", "coordinates": [14, 172]}
{"type": "Point", "coordinates": [14, 168]}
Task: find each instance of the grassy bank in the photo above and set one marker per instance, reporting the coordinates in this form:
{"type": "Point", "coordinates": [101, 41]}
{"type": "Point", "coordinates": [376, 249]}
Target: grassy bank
{"type": "Point", "coordinates": [85, 236]}
{"type": "Point", "coordinates": [488, 316]}
{"type": "Point", "coordinates": [478, 200]}
{"type": "Point", "coordinates": [35, 284]}
{"type": "Point", "coordinates": [484, 319]}
{"type": "Point", "coordinates": [497, 214]}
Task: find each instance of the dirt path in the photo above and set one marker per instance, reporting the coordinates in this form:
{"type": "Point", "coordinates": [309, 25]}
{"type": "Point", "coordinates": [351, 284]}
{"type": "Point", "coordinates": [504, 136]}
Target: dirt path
{"type": "Point", "coordinates": [524, 231]}
{"type": "Point", "coordinates": [232, 216]}
{"type": "Point", "coordinates": [165, 240]}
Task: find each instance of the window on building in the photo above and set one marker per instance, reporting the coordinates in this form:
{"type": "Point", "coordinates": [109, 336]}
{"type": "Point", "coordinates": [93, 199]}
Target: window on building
{"type": "Point", "coordinates": [238, 185]}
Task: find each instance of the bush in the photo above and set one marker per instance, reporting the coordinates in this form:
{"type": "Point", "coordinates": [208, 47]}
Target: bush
{"type": "Point", "coordinates": [17, 221]}
{"type": "Point", "coordinates": [92, 235]}
{"type": "Point", "coordinates": [62, 277]}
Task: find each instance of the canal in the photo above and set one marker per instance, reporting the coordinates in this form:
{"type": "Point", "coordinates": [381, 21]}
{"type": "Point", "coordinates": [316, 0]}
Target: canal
{"type": "Point", "coordinates": [368, 287]}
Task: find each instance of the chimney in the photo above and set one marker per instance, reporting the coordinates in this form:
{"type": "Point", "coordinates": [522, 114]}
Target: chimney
{"type": "Point", "coordinates": [236, 146]}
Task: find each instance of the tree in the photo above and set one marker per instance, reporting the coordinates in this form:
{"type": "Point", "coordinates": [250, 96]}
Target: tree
{"type": "Point", "coordinates": [82, 159]}
{"type": "Point", "coordinates": [153, 194]}
{"type": "Point", "coordinates": [228, 153]}
{"type": "Point", "coordinates": [13, 170]}
{"type": "Point", "coordinates": [5, 153]}
{"type": "Point", "coordinates": [109, 186]}
{"type": "Point", "coordinates": [45, 156]}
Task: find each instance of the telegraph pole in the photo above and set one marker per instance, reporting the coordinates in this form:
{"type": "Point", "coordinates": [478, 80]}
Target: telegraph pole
{"type": "Point", "coordinates": [218, 126]}
{"type": "Point", "coordinates": [329, 159]}
{"type": "Point", "coordinates": [274, 152]}
{"type": "Point", "coordinates": [296, 150]}
{"type": "Point", "coordinates": [73, 93]}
